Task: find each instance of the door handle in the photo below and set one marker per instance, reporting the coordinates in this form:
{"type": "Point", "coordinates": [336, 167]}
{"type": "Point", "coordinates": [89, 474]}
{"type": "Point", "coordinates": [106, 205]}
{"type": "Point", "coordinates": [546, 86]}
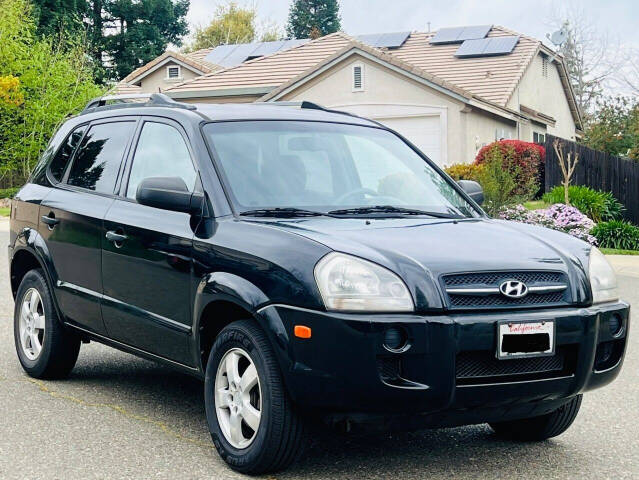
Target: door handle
{"type": "Point", "coordinates": [50, 220]}
{"type": "Point", "coordinates": [115, 237]}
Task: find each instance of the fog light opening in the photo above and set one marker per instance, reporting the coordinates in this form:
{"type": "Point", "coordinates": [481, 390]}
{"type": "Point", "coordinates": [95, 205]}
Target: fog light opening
{"type": "Point", "coordinates": [616, 325]}
{"type": "Point", "coordinates": [395, 339]}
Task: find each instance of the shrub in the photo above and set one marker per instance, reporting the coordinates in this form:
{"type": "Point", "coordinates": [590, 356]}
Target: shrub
{"type": "Point", "coordinates": [523, 159]}
{"type": "Point", "coordinates": [617, 234]}
{"type": "Point", "coordinates": [563, 218]}
{"type": "Point", "coordinates": [498, 182]}
{"type": "Point", "coordinates": [464, 171]}
{"type": "Point", "coordinates": [599, 206]}
{"type": "Point", "coordinates": [8, 192]}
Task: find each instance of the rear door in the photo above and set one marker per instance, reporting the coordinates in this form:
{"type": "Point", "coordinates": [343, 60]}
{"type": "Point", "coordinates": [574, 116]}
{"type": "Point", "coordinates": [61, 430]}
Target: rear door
{"type": "Point", "coordinates": [147, 275]}
{"type": "Point", "coordinates": [72, 214]}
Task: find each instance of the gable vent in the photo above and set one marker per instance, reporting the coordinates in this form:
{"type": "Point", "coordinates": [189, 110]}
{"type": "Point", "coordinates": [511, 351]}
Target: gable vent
{"type": "Point", "coordinates": [358, 78]}
{"type": "Point", "coordinates": [173, 72]}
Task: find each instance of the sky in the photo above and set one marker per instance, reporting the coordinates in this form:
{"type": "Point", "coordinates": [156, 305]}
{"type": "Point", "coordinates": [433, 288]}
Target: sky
{"type": "Point", "coordinates": [616, 19]}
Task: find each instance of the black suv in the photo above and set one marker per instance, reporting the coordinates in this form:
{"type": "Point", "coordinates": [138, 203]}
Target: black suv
{"type": "Point", "coordinates": [306, 264]}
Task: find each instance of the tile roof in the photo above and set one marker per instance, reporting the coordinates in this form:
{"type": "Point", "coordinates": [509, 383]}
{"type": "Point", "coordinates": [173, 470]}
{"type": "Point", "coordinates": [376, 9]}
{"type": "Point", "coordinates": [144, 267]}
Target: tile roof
{"type": "Point", "coordinates": [123, 88]}
{"type": "Point", "coordinates": [492, 79]}
{"type": "Point", "coordinates": [193, 61]}
{"type": "Point", "coordinates": [272, 70]}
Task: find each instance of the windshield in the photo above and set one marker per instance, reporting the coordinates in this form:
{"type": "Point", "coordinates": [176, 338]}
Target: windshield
{"type": "Point", "coordinates": [325, 167]}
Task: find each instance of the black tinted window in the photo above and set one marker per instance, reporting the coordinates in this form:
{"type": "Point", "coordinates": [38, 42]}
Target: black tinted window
{"type": "Point", "coordinates": [61, 159]}
{"type": "Point", "coordinates": [97, 162]}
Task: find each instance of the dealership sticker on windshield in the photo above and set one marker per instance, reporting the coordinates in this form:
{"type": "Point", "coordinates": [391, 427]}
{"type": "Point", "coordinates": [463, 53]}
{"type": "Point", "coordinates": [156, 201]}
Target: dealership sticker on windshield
{"type": "Point", "coordinates": [525, 339]}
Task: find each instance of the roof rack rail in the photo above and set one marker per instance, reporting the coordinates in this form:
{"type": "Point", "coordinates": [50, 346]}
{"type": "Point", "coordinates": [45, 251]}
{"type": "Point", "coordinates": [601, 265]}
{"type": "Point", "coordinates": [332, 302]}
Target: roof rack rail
{"type": "Point", "coordinates": [315, 106]}
{"type": "Point", "coordinates": [154, 99]}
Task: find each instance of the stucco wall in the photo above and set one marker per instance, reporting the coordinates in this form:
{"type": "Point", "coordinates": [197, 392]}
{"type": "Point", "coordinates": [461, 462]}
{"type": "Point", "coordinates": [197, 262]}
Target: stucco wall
{"type": "Point", "coordinates": [546, 95]}
{"type": "Point", "coordinates": [386, 91]}
{"type": "Point", "coordinates": [386, 94]}
{"type": "Point", "coordinates": [157, 79]}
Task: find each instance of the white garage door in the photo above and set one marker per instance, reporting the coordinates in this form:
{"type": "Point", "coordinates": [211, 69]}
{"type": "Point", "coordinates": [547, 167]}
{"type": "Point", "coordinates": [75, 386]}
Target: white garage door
{"type": "Point", "coordinates": [424, 132]}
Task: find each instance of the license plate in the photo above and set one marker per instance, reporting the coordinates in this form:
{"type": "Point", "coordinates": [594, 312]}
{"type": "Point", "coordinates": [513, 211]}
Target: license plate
{"type": "Point", "coordinates": [525, 339]}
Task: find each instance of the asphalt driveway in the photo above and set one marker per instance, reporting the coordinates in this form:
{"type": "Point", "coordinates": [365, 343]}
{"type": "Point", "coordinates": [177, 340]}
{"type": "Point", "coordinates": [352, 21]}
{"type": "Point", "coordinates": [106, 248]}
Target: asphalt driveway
{"type": "Point", "coordinates": [118, 416]}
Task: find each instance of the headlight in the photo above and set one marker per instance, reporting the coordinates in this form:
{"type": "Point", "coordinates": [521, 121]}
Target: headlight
{"type": "Point", "coordinates": [602, 278]}
{"type": "Point", "coordinates": [350, 283]}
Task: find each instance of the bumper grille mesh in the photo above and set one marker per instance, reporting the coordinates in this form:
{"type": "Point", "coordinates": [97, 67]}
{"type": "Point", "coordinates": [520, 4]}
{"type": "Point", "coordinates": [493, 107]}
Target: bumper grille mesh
{"type": "Point", "coordinates": [482, 367]}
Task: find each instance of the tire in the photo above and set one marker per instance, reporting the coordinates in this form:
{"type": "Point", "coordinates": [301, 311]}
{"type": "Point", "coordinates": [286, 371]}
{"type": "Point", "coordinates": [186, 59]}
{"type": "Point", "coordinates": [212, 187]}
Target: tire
{"type": "Point", "coordinates": [542, 427]}
{"type": "Point", "coordinates": [277, 441]}
{"type": "Point", "coordinates": [49, 352]}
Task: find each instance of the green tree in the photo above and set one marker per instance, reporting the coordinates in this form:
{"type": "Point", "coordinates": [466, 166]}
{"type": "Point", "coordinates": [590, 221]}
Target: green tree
{"type": "Point", "coordinates": [233, 24]}
{"type": "Point", "coordinates": [42, 81]}
{"type": "Point", "coordinates": [53, 17]}
{"type": "Point", "coordinates": [140, 30]}
{"type": "Point", "coordinates": [614, 128]}
{"type": "Point", "coordinates": [313, 18]}
{"type": "Point", "coordinates": [121, 34]}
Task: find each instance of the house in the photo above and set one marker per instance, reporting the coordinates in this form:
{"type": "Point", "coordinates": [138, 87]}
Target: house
{"type": "Point", "coordinates": [449, 92]}
{"type": "Point", "coordinates": [165, 71]}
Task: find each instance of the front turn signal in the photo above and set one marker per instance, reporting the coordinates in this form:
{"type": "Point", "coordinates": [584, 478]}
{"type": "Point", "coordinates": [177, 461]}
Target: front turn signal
{"type": "Point", "coordinates": [302, 332]}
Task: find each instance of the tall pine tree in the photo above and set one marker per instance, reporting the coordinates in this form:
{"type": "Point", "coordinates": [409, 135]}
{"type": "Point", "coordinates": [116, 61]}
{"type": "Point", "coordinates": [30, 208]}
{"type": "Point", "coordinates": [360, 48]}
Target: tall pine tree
{"type": "Point", "coordinates": [121, 35]}
{"type": "Point", "coordinates": [313, 18]}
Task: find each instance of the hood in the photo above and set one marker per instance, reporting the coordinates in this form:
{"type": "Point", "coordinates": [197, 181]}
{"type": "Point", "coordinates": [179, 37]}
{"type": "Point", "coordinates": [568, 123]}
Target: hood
{"type": "Point", "coordinates": [421, 250]}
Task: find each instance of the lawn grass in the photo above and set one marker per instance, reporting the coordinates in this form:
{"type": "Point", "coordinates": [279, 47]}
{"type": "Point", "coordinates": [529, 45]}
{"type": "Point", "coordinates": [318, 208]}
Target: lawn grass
{"type": "Point", "coordinates": [5, 211]}
{"type": "Point", "coordinates": [615, 251]}
{"type": "Point", "coordinates": [536, 205]}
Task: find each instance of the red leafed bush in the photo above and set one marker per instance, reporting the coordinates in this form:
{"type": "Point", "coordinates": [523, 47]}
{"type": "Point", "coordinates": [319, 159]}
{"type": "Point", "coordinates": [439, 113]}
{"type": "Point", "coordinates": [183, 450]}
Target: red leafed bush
{"type": "Point", "coordinates": [523, 159]}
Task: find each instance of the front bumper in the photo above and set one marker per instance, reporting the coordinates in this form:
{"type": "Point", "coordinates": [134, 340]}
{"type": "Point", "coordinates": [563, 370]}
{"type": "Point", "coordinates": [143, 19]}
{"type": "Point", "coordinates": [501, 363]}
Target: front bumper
{"type": "Point", "coordinates": [343, 367]}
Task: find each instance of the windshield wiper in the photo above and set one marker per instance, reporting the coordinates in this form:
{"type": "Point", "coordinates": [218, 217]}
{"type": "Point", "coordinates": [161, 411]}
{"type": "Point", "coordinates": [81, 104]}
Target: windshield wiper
{"type": "Point", "coordinates": [389, 209]}
{"type": "Point", "coordinates": [286, 212]}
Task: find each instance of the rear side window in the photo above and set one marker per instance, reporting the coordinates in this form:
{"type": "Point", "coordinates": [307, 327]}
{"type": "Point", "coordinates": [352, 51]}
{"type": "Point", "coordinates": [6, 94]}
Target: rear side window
{"type": "Point", "coordinates": [61, 160]}
{"type": "Point", "coordinates": [98, 160]}
{"type": "Point", "coordinates": [161, 152]}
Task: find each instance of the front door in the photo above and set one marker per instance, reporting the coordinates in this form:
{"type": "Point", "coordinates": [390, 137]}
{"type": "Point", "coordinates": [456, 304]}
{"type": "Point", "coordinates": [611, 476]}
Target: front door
{"type": "Point", "coordinates": [71, 216]}
{"type": "Point", "coordinates": [146, 269]}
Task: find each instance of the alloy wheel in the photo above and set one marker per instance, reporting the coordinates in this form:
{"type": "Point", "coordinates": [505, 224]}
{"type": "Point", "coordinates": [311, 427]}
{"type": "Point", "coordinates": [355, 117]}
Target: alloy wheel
{"type": "Point", "coordinates": [32, 324]}
{"type": "Point", "coordinates": [238, 398]}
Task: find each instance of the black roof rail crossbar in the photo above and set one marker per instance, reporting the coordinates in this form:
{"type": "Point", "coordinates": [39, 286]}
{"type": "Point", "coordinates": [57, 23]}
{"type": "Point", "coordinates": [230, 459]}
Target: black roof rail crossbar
{"type": "Point", "coordinates": [315, 106]}
{"type": "Point", "coordinates": [154, 99]}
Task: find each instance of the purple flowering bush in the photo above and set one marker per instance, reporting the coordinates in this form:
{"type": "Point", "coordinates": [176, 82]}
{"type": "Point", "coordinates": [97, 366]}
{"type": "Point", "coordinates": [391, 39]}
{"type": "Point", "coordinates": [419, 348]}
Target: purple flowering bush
{"type": "Point", "coordinates": [560, 217]}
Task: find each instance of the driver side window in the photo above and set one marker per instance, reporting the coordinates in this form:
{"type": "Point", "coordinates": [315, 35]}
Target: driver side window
{"type": "Point", "coordinates": [161, 152]}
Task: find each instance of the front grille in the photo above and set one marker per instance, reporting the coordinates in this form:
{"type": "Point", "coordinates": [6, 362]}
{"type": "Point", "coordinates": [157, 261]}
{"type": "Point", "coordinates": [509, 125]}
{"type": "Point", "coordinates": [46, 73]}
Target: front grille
{"type": "Point", "coordinates": [492, 281]}
{"type": "Point", "coordinates": [500, 301]}
{"type": "Point", "coordinates": [480, 367]}
{"type": "Point", "coordinates": [492, 278]}
{"type": "Point", "coordinates": [389, 368]}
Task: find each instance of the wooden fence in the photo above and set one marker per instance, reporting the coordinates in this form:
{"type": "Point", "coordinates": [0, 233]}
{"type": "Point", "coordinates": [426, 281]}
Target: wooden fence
{"type": "Point", "coordinates": [600, 171]}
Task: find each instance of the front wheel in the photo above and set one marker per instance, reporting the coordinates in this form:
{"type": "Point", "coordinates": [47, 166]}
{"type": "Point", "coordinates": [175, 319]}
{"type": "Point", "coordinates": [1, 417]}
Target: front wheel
{"type": "Point", "coordinates": [251, 418]}
{"type": "Point", "coordinates": [542, 427]}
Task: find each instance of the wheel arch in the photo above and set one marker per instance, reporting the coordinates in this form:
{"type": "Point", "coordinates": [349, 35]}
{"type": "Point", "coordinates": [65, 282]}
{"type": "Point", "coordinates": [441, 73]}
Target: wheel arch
{"type": "Point", "coordinates": [223, 298]}
{"type": "Point", "coordinates": [29, 252]}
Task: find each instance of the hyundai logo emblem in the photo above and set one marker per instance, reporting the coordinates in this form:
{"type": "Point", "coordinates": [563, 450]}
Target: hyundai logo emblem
{"type": "Point", "coordinates": [513, 289]}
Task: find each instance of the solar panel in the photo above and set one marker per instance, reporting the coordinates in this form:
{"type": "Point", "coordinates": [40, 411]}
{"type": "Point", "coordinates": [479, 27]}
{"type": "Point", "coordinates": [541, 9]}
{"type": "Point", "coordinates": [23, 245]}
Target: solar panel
{"type": "Point", "coordinates": [219, 53]}
{"type": "Point", "coordinates": [459, 34]}
{"type": "Point", "coordinates": [370, 39]}
{"type": "Point", "coordinates": [232, 55]}
{"type": "Point", "coordinates": [393, 40]}
{"type": "Point", "coordinates": [384, 40]}
{"type": "Point", "coordinates": [487, 46]}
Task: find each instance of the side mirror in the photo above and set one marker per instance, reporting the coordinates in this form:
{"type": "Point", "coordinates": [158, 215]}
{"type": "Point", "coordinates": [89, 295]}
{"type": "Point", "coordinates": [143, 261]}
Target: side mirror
{"type": "Point", "coordinates": [168, 193]}
{"type": "Point", "coordinates": [473, 190]}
